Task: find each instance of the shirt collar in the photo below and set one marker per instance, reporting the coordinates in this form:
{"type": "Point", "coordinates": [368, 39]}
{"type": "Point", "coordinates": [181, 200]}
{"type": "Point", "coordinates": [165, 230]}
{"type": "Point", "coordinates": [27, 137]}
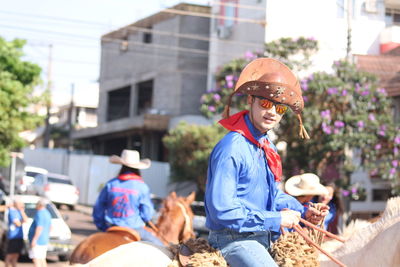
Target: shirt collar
{"type": "Point", "coordinates": [259, 136]}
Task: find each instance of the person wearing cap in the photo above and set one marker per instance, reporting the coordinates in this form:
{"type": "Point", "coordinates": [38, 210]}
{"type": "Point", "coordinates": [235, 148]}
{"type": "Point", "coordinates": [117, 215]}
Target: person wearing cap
{"type": "Point", "coordinates": [15, 236]}
{"type": "Point", "coordinates": [125, 200]}
{"type": "Point", "coordinates": [243, 203]}
{"type": "Point", "coordinates": [39, 234]}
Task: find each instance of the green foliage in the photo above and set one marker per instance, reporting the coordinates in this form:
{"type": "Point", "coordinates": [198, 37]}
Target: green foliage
{"type": "Point", "coordinates": [17, 80]}
{"type": "Point", "coordinates": [189, 147]}
{"type": "Point", "coordinates": [346, 115]}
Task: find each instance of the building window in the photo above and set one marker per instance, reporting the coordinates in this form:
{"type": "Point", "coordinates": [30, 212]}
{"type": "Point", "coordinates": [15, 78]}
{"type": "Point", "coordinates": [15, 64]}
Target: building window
{"type": "Point", "coordinates": [145, 97]}
{"type": "Point", "coordinates": [118, 103]}
{"type": "Point", "coordinates": [381, 194]}
{"type": "Point", "coordinates": [148, 36]}
{"type": "Point", "coordinates": [392, 16]}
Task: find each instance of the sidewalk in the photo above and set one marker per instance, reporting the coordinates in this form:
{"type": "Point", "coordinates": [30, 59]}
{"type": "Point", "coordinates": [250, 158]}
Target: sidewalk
{"type": "Point", "coordinates": [84, 209]}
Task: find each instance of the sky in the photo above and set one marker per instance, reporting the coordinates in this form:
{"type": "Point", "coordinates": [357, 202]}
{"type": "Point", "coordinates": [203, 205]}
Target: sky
{"type": "Point", "coordinates": [72, 28]}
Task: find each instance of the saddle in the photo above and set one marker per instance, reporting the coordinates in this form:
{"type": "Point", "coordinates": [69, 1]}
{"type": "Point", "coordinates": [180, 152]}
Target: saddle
{"type": "Point", "coordinates": [134, 235]}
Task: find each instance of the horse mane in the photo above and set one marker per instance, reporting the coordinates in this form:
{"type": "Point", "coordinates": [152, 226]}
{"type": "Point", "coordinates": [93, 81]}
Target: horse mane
{"type": "Point", "coordinates": [363, 236]}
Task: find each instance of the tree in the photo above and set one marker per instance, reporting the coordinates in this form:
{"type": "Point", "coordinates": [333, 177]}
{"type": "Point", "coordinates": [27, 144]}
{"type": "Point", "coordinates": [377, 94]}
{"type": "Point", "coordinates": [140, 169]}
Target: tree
{"type": "Point", "coordinates": [17, 81]}
{"type": "Point", "coordinates": [189, 147]}
{"type": "Point", "coordinates": [346, 113]}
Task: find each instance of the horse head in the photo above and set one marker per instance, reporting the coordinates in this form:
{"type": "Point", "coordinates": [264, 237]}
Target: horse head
{"type": "Point", "coordinates": [175, 223]}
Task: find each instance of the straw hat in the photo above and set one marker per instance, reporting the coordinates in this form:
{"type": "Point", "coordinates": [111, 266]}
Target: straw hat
{"type": "Point", "coordinates": [271, 79]}
{"type": "Point", "coordinates": [305, 184]}
{"type": "Point", "coordinates": [131, 158]}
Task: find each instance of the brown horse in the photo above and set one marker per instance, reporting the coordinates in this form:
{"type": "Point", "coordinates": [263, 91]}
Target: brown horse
{"type": "Point", "coordinates": [174, 225]}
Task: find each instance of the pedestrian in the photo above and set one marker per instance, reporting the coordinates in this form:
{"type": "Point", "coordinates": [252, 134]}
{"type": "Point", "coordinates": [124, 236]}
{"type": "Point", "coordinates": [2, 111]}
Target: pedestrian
{"type": "Point", "coordinates": [15, 236]}
{"type": "Point", "coordinates": [39, 234]}
{"type": "Point", "coordinates": [243, 203]}
{"type": "Point", "coordinates": [125, 200]}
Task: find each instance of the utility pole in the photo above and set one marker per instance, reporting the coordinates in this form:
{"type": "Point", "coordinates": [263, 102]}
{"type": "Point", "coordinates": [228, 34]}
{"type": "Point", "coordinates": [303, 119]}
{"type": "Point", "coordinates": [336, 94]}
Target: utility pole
{"type": "Point", "coordinates": [349, 29]}
{"type": "Point", "coordinates": [70, 117]}
{"type": "Point", "coordinates": [46, 138]}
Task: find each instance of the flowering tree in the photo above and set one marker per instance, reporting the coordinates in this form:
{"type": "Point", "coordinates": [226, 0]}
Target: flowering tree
{"type": "Point", "coordinates": [346, 114]}
{"type": "Point", "coordinates": [351, 125]}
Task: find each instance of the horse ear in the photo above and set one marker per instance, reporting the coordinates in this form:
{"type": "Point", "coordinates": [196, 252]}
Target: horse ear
{"type": "Point", "coordinates": [190, 198]}
{"type": "Point", "coordinates": [172, 194]}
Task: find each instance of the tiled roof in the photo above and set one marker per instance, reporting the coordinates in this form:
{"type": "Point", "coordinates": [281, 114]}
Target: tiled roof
{"type": "Point", "coordinates": [386, 67]}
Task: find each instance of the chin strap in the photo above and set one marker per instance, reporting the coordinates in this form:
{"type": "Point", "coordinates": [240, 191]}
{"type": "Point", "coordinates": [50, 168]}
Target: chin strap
{"type": "Point", "coordinates": [225, 114]}
{"type": "Point", "coordinates": [303, 133]}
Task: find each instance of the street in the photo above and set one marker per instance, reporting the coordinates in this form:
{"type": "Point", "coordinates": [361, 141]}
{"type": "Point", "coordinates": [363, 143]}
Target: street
{"type": "Point", "coordinates": [81, 226]}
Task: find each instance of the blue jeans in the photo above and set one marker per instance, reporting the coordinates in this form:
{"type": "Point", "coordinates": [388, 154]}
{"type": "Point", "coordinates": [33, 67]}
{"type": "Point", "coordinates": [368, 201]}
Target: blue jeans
{"type": "Point", "coordinates": [243, 249]}
{"type": "Point", "coordinates": [147, 236]}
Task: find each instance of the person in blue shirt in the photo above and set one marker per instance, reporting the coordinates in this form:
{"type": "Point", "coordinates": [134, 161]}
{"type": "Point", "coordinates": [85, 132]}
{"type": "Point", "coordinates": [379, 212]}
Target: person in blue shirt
{"type": "Point", "coordinates": [125, 200]}
{"type": "Point", "coordinates": [15, 236]}
{"type": "Point", "coordinates": [39, 234]}
{"type": "Point", "coordinates": [243, 202]}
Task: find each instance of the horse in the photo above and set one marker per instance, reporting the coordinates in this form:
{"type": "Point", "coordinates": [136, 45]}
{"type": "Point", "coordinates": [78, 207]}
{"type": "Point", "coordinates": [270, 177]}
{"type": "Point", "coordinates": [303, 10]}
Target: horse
{"type": "Point", "coordinates": [375, 244]}
{"type": "Point", "coordinates": [174, 225]}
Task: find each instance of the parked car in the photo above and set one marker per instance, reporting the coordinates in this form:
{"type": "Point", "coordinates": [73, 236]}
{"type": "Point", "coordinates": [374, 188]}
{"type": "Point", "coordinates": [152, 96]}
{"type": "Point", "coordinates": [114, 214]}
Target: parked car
{"type": "Point", "coordinates": [56, 187]}
{"type": "Point", "coordinates": [60, 234]}
{"type": "Point", "coordinates": [27, 180]}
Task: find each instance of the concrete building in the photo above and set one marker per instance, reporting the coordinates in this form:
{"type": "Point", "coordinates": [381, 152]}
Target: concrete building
{"type": "Point", "coordinates": [151, 71]}
{"type": "Point", "coordinates": [239, 25]}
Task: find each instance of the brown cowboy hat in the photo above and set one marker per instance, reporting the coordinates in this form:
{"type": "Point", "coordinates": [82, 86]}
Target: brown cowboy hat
{"type": "Point", "coordinates": [270, 78]}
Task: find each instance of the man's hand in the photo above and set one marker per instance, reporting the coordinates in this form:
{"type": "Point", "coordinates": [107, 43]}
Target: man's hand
{"type": "Point", "coordinates": [314, 215]}
{"type": "Point", "coordinates": [289, 218]}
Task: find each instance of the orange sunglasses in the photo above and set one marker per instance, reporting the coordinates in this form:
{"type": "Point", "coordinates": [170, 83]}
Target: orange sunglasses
{"type": "Point", "coordinates": [268, 104]}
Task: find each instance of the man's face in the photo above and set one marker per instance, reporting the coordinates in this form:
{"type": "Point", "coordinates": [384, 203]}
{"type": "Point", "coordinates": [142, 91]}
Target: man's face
{"type": "Point", "coordinates": [262, 118]}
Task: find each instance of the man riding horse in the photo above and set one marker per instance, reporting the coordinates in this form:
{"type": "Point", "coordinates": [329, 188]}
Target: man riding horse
{"type": "Point", "coordinates": [125, 200]}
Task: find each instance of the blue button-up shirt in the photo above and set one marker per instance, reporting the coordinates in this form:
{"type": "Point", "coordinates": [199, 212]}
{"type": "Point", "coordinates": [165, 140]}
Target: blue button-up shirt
{"type": "Point", "coordinates": [241, 193]}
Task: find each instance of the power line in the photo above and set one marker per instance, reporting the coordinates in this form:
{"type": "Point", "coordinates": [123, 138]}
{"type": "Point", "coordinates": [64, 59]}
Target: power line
{"type": "Point", "coordinates": [198, 14]}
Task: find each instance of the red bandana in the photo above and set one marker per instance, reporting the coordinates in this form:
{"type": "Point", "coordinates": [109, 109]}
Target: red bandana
{"type": "Point", "coordinates": [237, 123]}
{"type": "Point", "coordinates": [130, 176]}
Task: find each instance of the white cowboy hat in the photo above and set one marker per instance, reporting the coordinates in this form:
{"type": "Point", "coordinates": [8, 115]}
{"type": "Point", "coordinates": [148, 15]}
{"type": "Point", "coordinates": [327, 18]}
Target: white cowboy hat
{"type": "Point", "coordinates": [305, 184]}
{"type": "Point", "coordinates": [131, 158]}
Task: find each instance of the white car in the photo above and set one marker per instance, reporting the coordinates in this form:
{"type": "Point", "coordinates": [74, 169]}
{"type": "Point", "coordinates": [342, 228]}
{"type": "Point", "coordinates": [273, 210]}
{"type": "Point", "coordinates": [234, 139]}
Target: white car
{"type": "Point", "coordinates": [27, 180]}
{"type": "Point", "coordinates": [60, 233]}
{"type": "Point", "coordinates": [58, 188]}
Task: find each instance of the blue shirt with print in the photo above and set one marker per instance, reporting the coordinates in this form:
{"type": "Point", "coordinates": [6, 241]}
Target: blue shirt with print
{"type": "Point", "coordinates": [14, 231]}
{"type": "Point", "coordinates": [42, 218]}
{"type": "Point", "coordinates": [241, 192]}
{"type": "Point", "coordinates": [124, 203]}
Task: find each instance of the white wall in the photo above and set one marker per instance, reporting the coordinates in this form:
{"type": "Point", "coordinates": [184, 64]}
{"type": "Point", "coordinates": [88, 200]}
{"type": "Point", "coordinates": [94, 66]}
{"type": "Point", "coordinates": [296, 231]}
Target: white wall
{"type": "Point", "coordinates": [327, 23]}
{"type": "Point", "coordinates": [90, 172]}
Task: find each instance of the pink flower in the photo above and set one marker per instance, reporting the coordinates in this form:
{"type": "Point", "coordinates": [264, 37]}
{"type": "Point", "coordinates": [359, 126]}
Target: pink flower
{"type": "Point", "coordinates": [229, 78]}
{"type": "Point", "coordinates": [339, 124]}
{"type": "Point", "coordinates": [332, 91]}
{"type": "Point", "coordinates": [392, 171]}
{"type": "Point", "coordinates": [217, 97]}
{"type": "Point", "coordinates": [211, 108]}
{"type": "Point", "coordinates": [395, 151]}
{"type": "Point", "coordinates": [371, 117]}
{"type": "Point", "coordinates": [344, 92]}
{"type": "Point", "coordinates": [326, 114]}
{"type": "Point", "coordinates": [395, 163]}
{"type": "Point", "coordinates": [397, 140]}
{"type": "Point", "coordinates": [360, 124]}
{"type": "Point", "coordinates": [378, 146]}
{"type": "Point", "coordinates": [229, 84]}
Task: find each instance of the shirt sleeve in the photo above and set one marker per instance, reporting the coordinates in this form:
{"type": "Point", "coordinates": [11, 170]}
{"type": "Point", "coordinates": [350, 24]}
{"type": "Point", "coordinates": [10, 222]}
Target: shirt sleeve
{"type": "Point", "coordinates": [286, 201]}
{"type": "Point", "coordinates": [222, 203]}
{"type": "Point", "coordinates": [99, 210]}
{"type": "Point", "coordinates": [12, 216]}
{"type": "Point", "coordinates": [146, 207]}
